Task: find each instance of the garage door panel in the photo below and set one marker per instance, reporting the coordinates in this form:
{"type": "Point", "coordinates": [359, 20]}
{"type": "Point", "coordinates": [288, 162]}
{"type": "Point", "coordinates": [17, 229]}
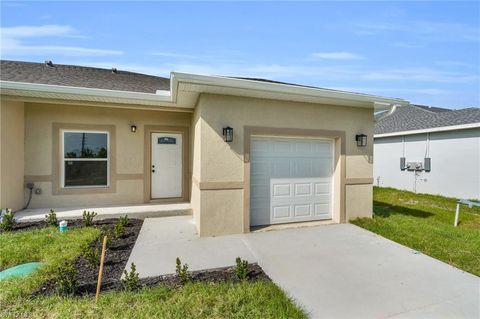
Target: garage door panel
{"type": "Point", "coordinates": [302, 210]}
{"type": "Point", "coordinates": [303, 189]}
{"type": "Point", "coordinates": [281, 212]}
{"type": "Point", "coordinates": [299, 195]}
{"type": "Point", "coordinates": [322, 188]}
{"type": "Point", "coordinates": [291, 180]}
{"type": "Point", "coordinates": [282, 190]}
{"type": "Point", "coordinates": [321, 209]}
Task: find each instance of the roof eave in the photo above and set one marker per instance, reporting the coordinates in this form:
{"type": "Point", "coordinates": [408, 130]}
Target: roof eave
{"type": "Point", "coordinates": [11, 88]}
{"type": "Point", "coordinates": [430, 130]}
{"type": "Point", "coordinates": [280, 90]}
{"type": "Point", "coordinates": [185, 87]}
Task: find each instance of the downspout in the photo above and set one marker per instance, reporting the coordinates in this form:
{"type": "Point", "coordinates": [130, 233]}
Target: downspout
{"type": "Point", "coordinates": [390, 112]}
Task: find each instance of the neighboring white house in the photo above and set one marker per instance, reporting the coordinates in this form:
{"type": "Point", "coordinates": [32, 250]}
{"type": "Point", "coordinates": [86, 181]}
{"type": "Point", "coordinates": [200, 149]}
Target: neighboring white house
{"type": "Point", "coordinates": [429, 150]}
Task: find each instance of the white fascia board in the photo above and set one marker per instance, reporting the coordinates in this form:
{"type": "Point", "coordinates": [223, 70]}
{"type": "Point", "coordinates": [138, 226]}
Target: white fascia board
{"type": "Point", "coordinates": [381, 102]}
{"type": "Point", "coordinates": [160, 96]}
{"type": "Point", "coordinates": [430, 130]}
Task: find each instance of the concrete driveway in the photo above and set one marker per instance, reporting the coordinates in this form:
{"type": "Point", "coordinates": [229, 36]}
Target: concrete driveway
{"type": "Point", "coordinates": [334, 271]}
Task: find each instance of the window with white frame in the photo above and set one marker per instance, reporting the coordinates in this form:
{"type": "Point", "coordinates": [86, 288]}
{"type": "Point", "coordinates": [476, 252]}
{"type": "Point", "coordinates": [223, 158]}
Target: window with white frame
{"type": "Point", "coordinates": [85, 159]}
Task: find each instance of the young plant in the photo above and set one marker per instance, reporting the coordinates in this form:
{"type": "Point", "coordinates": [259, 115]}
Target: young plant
{"type": "Point", "coordinates": [88, 217]}
{"type": "Point", "coordinates": [118, 229]}
{"type": "Point", "coordinates": [242, 268]}
{"type": "Point", "coordinates": [8, 222]}
{"type": "Point", "coordinates": [182, 271]}
{"type": "Point", "coordinates": [123, 221]}
{"type": "Point", "coordinates": [131, 280]}
{"type": "Point", "coordinates": [66, 279]}
{"type": "Point", "coordinates": [91, 254]}
{"type": "Point", "coordinates": [51, 219]}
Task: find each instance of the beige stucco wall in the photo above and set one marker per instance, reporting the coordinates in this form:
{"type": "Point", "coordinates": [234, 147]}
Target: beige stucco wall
{"type": "Point", "coordinates": [195, 152]}
{"type": "Point", "coordinates": [12, 130]}
{"type": "Point", "coordinates": [129, 149]}
{"type": "Point", "coordinates": [223, 163]}
{"type": "Point", "coordinates": [218, 189]}
{"type": "Point", "coordinates": [356, 204]}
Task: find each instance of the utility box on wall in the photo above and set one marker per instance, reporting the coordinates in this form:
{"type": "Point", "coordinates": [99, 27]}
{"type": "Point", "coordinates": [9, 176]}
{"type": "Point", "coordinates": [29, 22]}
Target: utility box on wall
{"type": "Point", "coordinates": [402, 164]}
{"type": "Point", "coordinates": [427, 162]}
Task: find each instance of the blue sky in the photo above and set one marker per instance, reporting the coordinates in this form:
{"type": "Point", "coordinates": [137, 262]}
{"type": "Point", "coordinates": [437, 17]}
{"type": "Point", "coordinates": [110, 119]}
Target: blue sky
{"type": "Point", "coordinates": [425, 52]}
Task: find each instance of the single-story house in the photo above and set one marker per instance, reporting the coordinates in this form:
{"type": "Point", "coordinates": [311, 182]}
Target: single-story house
{"type": "Point", "coordinates": [429, 150]}
{"type": "Point", "coordinates": [243, 152]}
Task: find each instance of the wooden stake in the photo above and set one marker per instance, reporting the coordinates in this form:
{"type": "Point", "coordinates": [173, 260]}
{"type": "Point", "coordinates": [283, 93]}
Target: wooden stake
{"type": "Point", "coordinates": [100, 271]}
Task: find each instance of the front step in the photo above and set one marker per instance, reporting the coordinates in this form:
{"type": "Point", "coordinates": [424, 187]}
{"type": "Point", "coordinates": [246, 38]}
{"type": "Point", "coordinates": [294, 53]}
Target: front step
{"type": "Point", "coordinates": [132, 211]}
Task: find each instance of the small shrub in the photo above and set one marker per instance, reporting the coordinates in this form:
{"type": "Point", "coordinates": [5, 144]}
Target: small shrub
{"type": "Point", "coordinates": [51, 219]}
{"type": "Point", "coordinates": [131, 279]}
{"type": "Point", "coordinates": [8, 222]}
{"type": "Point", "coordinates": [118, 229]}
{"type": "Point", "coordinates": [66, 279]}
{"type": "Point", "coordinates": [123, 221]}
{"type": "Point", "coordinates": [91, 254]}
{"type": "Point", "coordinates": [242, 268]}
{"type": "Point", "coordinates": [182, 271]}
{"type": "Point", "coordinates": [88, 217]}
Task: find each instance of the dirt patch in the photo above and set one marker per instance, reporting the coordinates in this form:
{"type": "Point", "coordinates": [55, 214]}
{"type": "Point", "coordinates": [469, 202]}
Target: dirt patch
{"type": "Point", "coordinates": [72, 223]}
{"type": "Point", "coordinates": [116, 257]}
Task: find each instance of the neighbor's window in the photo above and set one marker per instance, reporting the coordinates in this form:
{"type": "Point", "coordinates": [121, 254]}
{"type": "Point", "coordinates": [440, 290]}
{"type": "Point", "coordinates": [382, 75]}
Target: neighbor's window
{"type": "Point", "coordinates": [85, 159]}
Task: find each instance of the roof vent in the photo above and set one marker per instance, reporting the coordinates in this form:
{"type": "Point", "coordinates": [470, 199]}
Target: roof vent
{"type": "Point", "coordinates": [48, 63]}
{"type": "Point", "coordinates": [114, 70]}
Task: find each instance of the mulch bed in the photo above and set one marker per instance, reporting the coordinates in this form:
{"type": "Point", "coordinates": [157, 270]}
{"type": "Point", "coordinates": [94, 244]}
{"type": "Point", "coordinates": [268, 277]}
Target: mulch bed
{"type": "Point", "coordinates": [116, 258]}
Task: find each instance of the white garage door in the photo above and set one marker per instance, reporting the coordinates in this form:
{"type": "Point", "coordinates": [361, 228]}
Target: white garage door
{"type": "Point", "coordinates": [291, 180]}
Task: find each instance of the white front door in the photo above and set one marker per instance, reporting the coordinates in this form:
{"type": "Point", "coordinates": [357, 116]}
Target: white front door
{"type": "Point", "coordinates": [166, 166]}
{"type": "Point", "coordinates": [291, 180]}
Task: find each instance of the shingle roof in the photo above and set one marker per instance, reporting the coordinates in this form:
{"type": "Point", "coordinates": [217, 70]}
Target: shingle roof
{"type": "Point", "coordinates": [80, 76]}
{"type": "Point", "coordinates": [418, 117]}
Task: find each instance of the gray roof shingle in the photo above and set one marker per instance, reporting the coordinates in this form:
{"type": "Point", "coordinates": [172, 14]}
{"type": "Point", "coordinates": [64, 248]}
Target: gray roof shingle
{"type": "Point", "coordinates": [418, 117]}
{"type": "Point", "coordinates": [80, 76]}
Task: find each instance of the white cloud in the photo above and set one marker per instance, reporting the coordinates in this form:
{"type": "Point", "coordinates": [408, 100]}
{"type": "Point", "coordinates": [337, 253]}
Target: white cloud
{"type": "Point", "coordinates": [15, 42]}
{"type": "Point", "coordinates": [336, 56]}
{"type": "Point", "coordinates": [420, 74]}
{"type": "Point", "coordinates": [37, 31]}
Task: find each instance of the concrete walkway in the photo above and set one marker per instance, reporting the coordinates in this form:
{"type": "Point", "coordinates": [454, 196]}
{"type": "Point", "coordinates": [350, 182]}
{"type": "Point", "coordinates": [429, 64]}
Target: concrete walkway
{"type": "Point", "coordinates": [335, 271]}
{"type": "Point", "coordinates": [133, 211]}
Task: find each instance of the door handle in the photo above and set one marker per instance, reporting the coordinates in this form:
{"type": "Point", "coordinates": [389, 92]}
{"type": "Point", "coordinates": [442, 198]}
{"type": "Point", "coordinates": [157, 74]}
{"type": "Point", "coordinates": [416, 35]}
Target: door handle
{"type": "Point", "coordinates": [153, 171]}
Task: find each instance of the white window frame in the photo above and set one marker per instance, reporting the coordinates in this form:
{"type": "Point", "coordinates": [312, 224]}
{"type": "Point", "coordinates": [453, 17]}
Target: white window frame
{"type": "Point", "coordinates": [63, 159]}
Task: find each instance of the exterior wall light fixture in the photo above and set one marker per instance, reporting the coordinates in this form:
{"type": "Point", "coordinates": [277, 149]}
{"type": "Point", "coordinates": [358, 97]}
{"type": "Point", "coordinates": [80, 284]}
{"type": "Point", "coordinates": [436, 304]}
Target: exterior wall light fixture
{"type": "Point", "coordinates": [228, 134]}
{"type": "Point", "coordinates": [361, 140]}
{"type": "Point", "coordinates": [133, 128]}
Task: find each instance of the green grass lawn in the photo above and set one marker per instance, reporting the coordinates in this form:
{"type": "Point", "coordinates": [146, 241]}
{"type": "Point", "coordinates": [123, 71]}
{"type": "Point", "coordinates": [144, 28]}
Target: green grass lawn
{"type": "Point", "coordinates": [425, 223]}
{"type": "Point", "coordinates": [197, 300]}
{"type": "Point", "coordinates": [261, 299]}
{"type": "Point", "coordinates": [47, 245]}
